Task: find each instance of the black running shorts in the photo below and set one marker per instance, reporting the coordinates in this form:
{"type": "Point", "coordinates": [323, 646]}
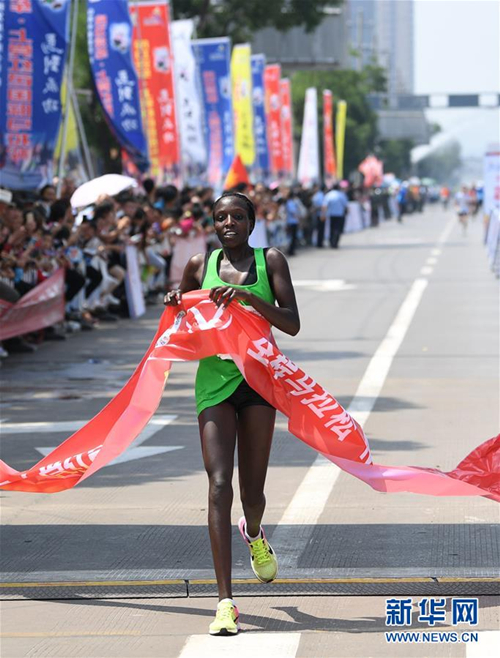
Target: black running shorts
{"type": "Point", "coordinates": [245, 396]}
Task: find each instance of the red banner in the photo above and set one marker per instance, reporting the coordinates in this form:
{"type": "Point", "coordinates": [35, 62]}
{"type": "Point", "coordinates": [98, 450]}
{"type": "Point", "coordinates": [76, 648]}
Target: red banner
{"type": "Point", "coordinates": [198, 329]}
{"type": "Point", "coordinates": [272, 75]}
{"type": "Point", "coordinates": [41, 307]}
{"type": "Point", "coordinates": [153, 59]}
{"type": "Point", "coordinates": [286, 127]}
{"type": "Point", "coordinates": [330, 167]}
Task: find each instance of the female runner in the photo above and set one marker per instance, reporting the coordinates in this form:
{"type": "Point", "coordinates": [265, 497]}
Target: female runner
{"type": "Point", "coordinates": [226, 405]}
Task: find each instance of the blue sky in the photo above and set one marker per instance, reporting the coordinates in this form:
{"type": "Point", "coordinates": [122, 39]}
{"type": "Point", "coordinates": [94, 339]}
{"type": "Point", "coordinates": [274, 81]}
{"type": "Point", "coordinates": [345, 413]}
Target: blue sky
{"type": "Point", "coordinates": [457, 50]}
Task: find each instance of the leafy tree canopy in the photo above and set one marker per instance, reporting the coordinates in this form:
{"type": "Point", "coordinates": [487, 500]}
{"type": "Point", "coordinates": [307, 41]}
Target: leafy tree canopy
{"type": "Point", "coordinates": [239, 19]}
{"type": "Point", "coordinates": [395, 154]}
{"type": "Point", "coordinates": [442, 163]}
{"type": "Point", "coordinates": [351, 86]}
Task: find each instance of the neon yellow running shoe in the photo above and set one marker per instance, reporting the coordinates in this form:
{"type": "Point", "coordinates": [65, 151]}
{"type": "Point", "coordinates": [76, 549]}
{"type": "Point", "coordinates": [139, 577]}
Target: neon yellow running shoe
{"type": "Point", "coordinates": [262, 557]}
{"type": "Point", "coordinates": [226, 619]}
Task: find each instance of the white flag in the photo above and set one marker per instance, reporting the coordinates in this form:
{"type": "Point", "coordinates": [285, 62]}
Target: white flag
{"type": "Point", "coordinates": [308, 170]}
{"type": "Point", "coordinates": [189, 108]}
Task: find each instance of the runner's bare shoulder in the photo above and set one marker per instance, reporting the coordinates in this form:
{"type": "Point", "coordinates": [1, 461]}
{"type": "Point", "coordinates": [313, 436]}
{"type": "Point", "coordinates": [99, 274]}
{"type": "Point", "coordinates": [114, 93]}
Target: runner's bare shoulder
{"type": "Point", "coordinates": [193, 271]}
{"type": "Point", "coordinates": [276, 260]}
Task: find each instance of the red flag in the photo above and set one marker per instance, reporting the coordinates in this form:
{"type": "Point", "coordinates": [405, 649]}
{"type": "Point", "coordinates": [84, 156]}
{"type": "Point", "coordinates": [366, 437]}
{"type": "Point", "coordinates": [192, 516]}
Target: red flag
{"type": "Point", "coordinates": [272, 76]}
{"type": "Point", "coordinates": [153, 58]}
{"type": "Point", "coordinates": [198, 329]}
{"type": "Point", "coordinates": [237, 174]}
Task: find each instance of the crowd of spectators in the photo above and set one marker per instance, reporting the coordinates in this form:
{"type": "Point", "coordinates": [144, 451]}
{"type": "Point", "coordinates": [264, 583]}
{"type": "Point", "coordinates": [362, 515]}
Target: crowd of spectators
{"type": "Point", "coordinates": [41, 232]}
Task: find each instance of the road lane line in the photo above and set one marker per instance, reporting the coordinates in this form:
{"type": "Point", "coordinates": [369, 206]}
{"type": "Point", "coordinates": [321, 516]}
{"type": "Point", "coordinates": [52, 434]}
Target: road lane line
{"type": "Point", "coordinates": [74, 425]}
{"type": "Point", "coordinates": [311, 497]}
{"type": "Point", "coordinates": [244, 645]}
{"type": "Point", "coordinates": [305, 509]}
{"type": "Point", "coordinates": [426, 270]}
{"type": "Point", "coordinates": [486, 647]}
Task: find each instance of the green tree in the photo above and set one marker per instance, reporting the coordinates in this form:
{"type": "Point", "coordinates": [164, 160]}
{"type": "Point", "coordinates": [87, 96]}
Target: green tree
{"type": "Point", "coordinates": [239, 19]}
{"type": "Point", "coordinates": [441, 163]}
{"type": "Point", "coordinates": [101, 139]}
{"type": "Point", "coordinates": [353, 87]}
{"type": "Point", "coordinates": [395, 154]}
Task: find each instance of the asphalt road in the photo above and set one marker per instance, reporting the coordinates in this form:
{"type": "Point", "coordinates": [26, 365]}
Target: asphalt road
{"type": "Point", "coordinates": [138, 527]}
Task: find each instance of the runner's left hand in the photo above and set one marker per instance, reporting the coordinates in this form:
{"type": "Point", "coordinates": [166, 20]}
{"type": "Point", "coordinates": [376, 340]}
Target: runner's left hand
{"type": "Point", "coordinates": [224, 295]}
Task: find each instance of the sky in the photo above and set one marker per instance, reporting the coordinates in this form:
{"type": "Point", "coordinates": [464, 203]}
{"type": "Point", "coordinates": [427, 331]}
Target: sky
{"type": "Point", "coordinates": [457, 50]}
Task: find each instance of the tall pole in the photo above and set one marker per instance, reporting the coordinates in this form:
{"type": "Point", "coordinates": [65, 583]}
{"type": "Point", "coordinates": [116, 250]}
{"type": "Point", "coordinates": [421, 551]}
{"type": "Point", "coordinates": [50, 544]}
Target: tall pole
{"type": "Point", "coordinates": [69, 93]}
{"type": "Point", "coordinates": [83, 136]}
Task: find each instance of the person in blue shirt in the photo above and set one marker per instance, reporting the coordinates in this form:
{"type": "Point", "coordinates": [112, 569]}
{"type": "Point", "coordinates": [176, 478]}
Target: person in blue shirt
{"type": "Point", "coordinates": [402, 199]}
{"type": "Point", "coordinates": [334, 207]}
{"type": "Point", "coordinates": [317, 205]}
{"type": "Point", "coordinates": [292, 221]}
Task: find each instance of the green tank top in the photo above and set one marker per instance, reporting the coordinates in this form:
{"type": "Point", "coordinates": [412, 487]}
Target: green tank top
{"type": "Point", "coordinates": [217, 378]}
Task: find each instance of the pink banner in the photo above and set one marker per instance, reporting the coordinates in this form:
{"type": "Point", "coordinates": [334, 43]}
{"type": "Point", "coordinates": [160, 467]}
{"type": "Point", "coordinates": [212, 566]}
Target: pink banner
{"type": "Point", "coordinates": [286, 127]}
{"type": "Point", "coordinates": [41, 307]}
{"type": "Point", "coordinates": [197, 329]}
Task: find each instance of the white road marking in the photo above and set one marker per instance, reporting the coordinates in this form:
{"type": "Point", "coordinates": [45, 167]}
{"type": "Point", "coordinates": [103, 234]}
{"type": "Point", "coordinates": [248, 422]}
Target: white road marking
{"type": "Point", "coordinates": [305, 509]}
{"type": "Point", "coordinates": [136, 451]}
{"type": "Point", "coordinates": [74, 425]}
{"type": "Point", "coordinates": [325, 285]}
{"type": "Point", "coordinates": [426, 270]}
{"type": "Point", "coordinates": [431, 260]}
{"type": "Point", "coordinates": [487, 646]}
{"type": "Point", "coordinates": [244, 645]}
{"type": "Point", "coordinates": [320, 478]}
{"type": "Point", "coordinates": [376, 373]}
{"type": "Point", "coordinates": [446, 231]}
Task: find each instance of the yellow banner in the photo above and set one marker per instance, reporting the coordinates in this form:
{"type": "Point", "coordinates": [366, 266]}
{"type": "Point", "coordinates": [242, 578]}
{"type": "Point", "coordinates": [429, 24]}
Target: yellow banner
{"type": "Point", "coordinates": [241, 75]}
{"type": "Point", "coordinates": [340, 137]}
{"type": "Point", "coordinates": [72, 136]}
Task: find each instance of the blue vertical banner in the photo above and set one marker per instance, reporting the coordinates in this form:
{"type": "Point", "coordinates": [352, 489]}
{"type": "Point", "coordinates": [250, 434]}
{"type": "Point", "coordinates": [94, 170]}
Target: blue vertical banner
{"type": "Point", "coordinates": [33, 42]}
{"type": "Point", "coordinates": [109, 34]}
{"type": "Point", "coordinates": [213, 57]}
{"type": "Point", "coordinates": [261, 164]}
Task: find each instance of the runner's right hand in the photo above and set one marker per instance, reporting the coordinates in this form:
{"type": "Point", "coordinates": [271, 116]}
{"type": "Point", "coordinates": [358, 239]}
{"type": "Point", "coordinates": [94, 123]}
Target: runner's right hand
{"type": "Point", "coordinates": [172, 298]}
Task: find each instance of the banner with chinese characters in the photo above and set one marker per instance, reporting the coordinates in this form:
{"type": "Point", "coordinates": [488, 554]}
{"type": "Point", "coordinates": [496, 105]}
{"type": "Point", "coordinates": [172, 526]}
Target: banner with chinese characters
{"type": "Point", "coordinates": [196, 329]}
{"type": "Point", "coordinates": [192, 138]}
{"type": "Point", "coordinates": [272, 76]}
{"type": "Point", "coordinates": [329, 166]}
{"type": "Point", "coordinates": [308, 169]}
{"type": "Point", "coordinates": [241, 76]}
{"type": "Point", "coordinates": [33, 43]}
{"type": "Point", "coordinates": [154, 66]}
{"type": "Point", "coordinates": [261, 164]}
{"type": "Point", "coordinates": [213, 57]}
{"type": "Point", "coordinates": [286, 128]}
{"type": "Point", "coordinates": [109, 36]}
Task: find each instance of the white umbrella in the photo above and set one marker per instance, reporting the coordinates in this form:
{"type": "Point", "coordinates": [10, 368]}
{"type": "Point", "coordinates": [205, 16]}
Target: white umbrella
{"type": "Point", "coordinates": [109, 184]}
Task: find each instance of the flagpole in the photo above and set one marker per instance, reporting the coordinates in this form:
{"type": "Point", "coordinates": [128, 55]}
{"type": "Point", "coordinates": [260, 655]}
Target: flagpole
{"type": "Point", "coordinates": [83, 136]}
{"type": "Point", "coordinates": [69, 93]}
